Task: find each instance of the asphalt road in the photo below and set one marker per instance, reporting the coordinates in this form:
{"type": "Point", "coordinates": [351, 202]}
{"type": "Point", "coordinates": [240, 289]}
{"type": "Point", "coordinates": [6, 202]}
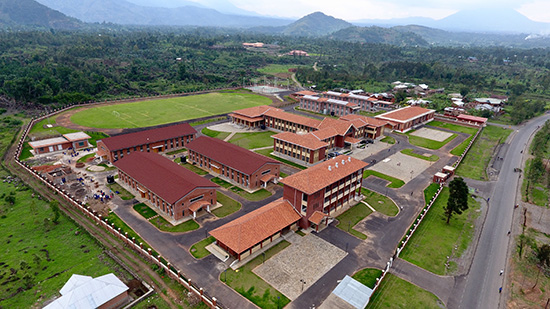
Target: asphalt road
{"type": "Point", "coordinates": [481, 286]}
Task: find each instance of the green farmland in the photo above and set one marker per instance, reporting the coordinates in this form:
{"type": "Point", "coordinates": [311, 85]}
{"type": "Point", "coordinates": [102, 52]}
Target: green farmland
{"type": "Point", "coordinates": [161, 111]}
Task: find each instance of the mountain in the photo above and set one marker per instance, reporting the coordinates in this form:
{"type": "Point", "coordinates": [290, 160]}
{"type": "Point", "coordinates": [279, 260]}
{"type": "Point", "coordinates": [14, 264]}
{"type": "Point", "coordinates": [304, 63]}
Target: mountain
{"type": "Point", "coordinates": [494, 20]}
{"type": "Point", "coordinates": [125, 12]}
{"type": "Point", "coordinates": [315, 24]}
{"type": "Point", "coordinates": [380, 35]}
{"type": "Point", "coordinates": [222, 6]}
{"type": "Point", "coordinates": [33, 14]}
{"type": "Point", "coordinates": [491, 20]}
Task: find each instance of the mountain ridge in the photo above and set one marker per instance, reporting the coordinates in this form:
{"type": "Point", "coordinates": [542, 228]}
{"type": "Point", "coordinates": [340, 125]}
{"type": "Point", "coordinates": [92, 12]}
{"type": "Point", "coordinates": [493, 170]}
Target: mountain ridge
{"type": "Point", "coordinates": [30, 13]}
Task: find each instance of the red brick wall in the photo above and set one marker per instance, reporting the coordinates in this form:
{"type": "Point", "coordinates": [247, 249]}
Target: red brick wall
{"type": "Point", "coordinates": [167, 145]}
{"type": "Point", "coordinates": [182, 206]}
{"type": "Point", "coordinates": [115, 302]}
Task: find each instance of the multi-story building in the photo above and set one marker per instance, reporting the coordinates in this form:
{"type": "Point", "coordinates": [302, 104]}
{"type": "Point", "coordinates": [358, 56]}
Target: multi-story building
{"type": "Point", "coordinates": [237, 165]}
{"type": "Point", "coordinates": [328, 106]}
{"type": "Point", "coordinates": [407, 118]}
{"type": "Point", "coordinates": [174, 191]}
{"type": "Point", "coordinates": [167, 138]}
{"type": "Point", "coordinates": [324, 188]}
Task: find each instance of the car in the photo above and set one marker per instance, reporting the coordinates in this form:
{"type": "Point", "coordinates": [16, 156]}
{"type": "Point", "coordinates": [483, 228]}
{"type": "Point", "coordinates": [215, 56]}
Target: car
{"type": "Point", "coordinates": [369, 141]}
{"type": "Point", "coordinates": [333, 155]}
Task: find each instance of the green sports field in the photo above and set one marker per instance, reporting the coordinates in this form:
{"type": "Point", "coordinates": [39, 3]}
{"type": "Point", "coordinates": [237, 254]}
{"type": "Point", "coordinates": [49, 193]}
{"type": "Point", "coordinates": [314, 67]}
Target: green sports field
{"type": "Point", "coordinates": [156, 112]}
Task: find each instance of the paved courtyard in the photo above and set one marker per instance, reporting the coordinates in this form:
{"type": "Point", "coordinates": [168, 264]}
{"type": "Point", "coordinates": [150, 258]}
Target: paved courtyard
{"type": "Point", "coordinates": [369, 150]}
{"type": "Point", "coordinates": [306, 260]}
{"type": "Point", "coordinates": [401, 166]}
{"type": "Point", "coordinates": [432, 134]}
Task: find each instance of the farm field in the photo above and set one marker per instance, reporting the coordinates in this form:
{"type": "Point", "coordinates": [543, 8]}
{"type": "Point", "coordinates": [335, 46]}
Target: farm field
{"type": "Point", "coordinates": [161, 111]}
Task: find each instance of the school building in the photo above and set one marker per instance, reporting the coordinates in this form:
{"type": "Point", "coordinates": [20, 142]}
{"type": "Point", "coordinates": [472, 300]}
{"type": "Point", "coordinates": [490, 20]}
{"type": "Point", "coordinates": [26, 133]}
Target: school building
{"type": "Point", "coordinates": [167, 138]}
{"type": "Point", "coordinates": [328, 106]}
{"type": "Point", "coordinates": [251, 232]}
{"type": "Point", "coordinates": [174, 191]}
{"type": "Point", "coordinates": [232, 163]}
{"type": "Point", "coordinates": [407, 118]}
{"type": "Point", "coordinates": [324, 188]}
{"type": "Point", "coordinates": [261, 117]}
{"type": "Point", "coordinates": [77, 140]}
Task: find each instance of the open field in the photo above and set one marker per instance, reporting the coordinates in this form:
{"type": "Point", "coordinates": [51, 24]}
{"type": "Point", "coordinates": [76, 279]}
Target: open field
{"type": "Point", "coordinates": [39, 256]}
{"type": "Point", "coordinates": [398, 293]}
{"type": "Point", "coordinates": [475, 163]}
{"type": "Point", "coordinates": [438, 238]}
{"type": "Point", "coordinates": [453, 127]}
{"type": "Point", "coordinates": [428, 143]}
{"type": "Point", "coordinates": [156, 112]}
{"type": "Point", "coordinates": [274, 69]}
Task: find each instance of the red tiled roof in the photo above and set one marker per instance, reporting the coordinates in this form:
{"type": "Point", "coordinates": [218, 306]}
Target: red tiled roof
{"type": "Point", "coordinates": [198, 205]}
{"type": "Point", "coordinates": [472, 118]}
{"type": "Point", "coordinates": [230, 155]}
{"type": "Point", "coordinates": [370, 121]}
{"type": "Point", "coordinates": [128, 140]}
{"type": "Point", "coordinates": [246, 118]}
{"type": "Point", "coordinates": [245, 232]}
{"type": "Point", "coordinates": [325, 133]}
{"type": "Point", "coordinates": [405, 114]}
{"type": "Point", "coordinates": [165, 178]}
{"type": "Point", "coordinates": [351, 140]}
{"type": "Point", "coordinates": [317, 217]}
{"type": "Point", "coordinates": [267, 177]}
{"type": "Point", "coordinates": [319, 176]}
{"type": "Point", "coordinates": [306, 92]}
{"type": "Point", "coordinates": [308, 141]}
{"type": "Point", "coordinates": [340, 126]}
{"type": "Point", "coordinates": [280, 114]}
{"type": "Point", "coordinates": [255, 111]}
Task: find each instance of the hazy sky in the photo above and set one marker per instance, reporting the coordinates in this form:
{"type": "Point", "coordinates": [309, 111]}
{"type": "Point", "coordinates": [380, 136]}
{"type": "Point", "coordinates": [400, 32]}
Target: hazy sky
{"type": "Point", "coordinates": [538, 10]}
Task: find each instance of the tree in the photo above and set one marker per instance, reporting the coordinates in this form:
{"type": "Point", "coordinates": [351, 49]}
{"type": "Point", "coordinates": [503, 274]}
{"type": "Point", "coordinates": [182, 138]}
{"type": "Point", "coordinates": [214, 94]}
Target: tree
{"type": "Point", "coordinates": [543, 254]}
{"type": "Point", "coordinates": [54, 205]}
{"type": "Point", "coordinates": [458, 198]}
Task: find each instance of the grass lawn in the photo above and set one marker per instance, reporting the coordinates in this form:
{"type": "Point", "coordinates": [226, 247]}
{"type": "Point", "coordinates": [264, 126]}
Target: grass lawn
{"type": "Point", "coordinates": [256, 196]}
{"type": "Point", "coordinates": [273, 69]}
{"type": "Point", "coordinates": [428, 143]}
{"type": "Point", "coordinates": [120, 191]}
{"type": "Point", "coordinates": [475, 163]}
{"type": "Point", "coordinates": [351, 217]}
{"type": "Point", "coordinates": [196, 123]}
{"type": "Point", "coordinates": [198, 250]}
{"type": "Point", "coordinates": [85, 158]}
{"type": "Point", "coordinates": [267, 153]}
{"type": "Point", "coordinates": [434, 239]}
{"type": "Point", "coordinates": [229, 205]}
{"type": "Point", "coordinates": [144, 210]}
{"type": "Point", "coordinates": [42, 255]}
{"type": "Point", "coordinates": [538, 192]}
{"type": "Point", "coordinates": [367, 276]}
{"type": "Point", "coordinates": [216, 134]}
{"type": "Point", "coordinates": [371, 114]}
{"type": "Point", "coordinates": [113, 218]}
{"type": "Point", "coordinates": [458, 150]}
{"type": "Point", "coordinates": [453, 127]}
{"type": "Point", "coordinates": [411, 153]}
{"type": "Point", "coordinates": [394, 182]}
{"type": "Point", "coordinates": [388, 139]}
{"type": "Point", "coordinates": [430, 191]}
{"type": "Point", "coordinates": [221, 182]}
{"type": "Point", "coordinates": [195, 169]}
{"type": "Point", "coordinates": [380, 202]}
{"type": "Point", "coordinates": [163, 225]}
{"type": "Point", "coordinates": [249, 285]}
{"type": "Point", "coordinates": [253, 140]}
{"type": "Point", "coordinates": [176, 151]}
{"type": "Point", "coordinates": [161, 111]}
{"type": "Point", "coordinates": [398, 293]}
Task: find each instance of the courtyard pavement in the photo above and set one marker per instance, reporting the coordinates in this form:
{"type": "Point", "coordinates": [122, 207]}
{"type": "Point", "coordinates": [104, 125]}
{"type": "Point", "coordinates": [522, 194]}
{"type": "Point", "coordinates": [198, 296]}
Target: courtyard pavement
{"type": "Point", "coordinates": [435, 135]}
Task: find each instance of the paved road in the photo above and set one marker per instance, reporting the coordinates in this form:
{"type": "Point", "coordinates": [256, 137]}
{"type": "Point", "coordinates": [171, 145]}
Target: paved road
{"type": "Point", "coordinates": [480, 288]}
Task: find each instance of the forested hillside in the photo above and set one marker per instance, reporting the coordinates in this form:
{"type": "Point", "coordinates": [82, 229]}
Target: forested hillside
{"type": "Point", "coordinates": [54, 67]}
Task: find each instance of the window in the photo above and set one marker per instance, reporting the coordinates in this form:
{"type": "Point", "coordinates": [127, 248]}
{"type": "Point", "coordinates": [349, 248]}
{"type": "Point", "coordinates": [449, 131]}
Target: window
{"type": "Point", "coordinates": [304, 208]}
{"type": "Point", "coordinates": [266, 172]}
{"type": "Point", "coordinates": [198, 198]}
{"type": "Point", "coordinates": [304, 197]}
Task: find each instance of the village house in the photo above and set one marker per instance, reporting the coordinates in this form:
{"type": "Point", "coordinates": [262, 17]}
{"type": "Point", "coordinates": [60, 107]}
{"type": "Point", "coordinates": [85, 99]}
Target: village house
{"type": "Point", "coordinates": [167, 138]}
{"type": "Point", "coordinates": [174, 191]}
{"type": "Point", "coordinates": [77, 140]}
{"type": "Point", "coordinates": [232, 163]}
{"type": "Point", "coordinates": [407, 118]}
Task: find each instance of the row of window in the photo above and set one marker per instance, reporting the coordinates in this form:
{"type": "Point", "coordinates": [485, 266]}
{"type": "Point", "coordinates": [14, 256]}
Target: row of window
{"type": "Point", "coordinates": [236, 176]}
{"type": "Point", "coordinates": [183, 140]}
